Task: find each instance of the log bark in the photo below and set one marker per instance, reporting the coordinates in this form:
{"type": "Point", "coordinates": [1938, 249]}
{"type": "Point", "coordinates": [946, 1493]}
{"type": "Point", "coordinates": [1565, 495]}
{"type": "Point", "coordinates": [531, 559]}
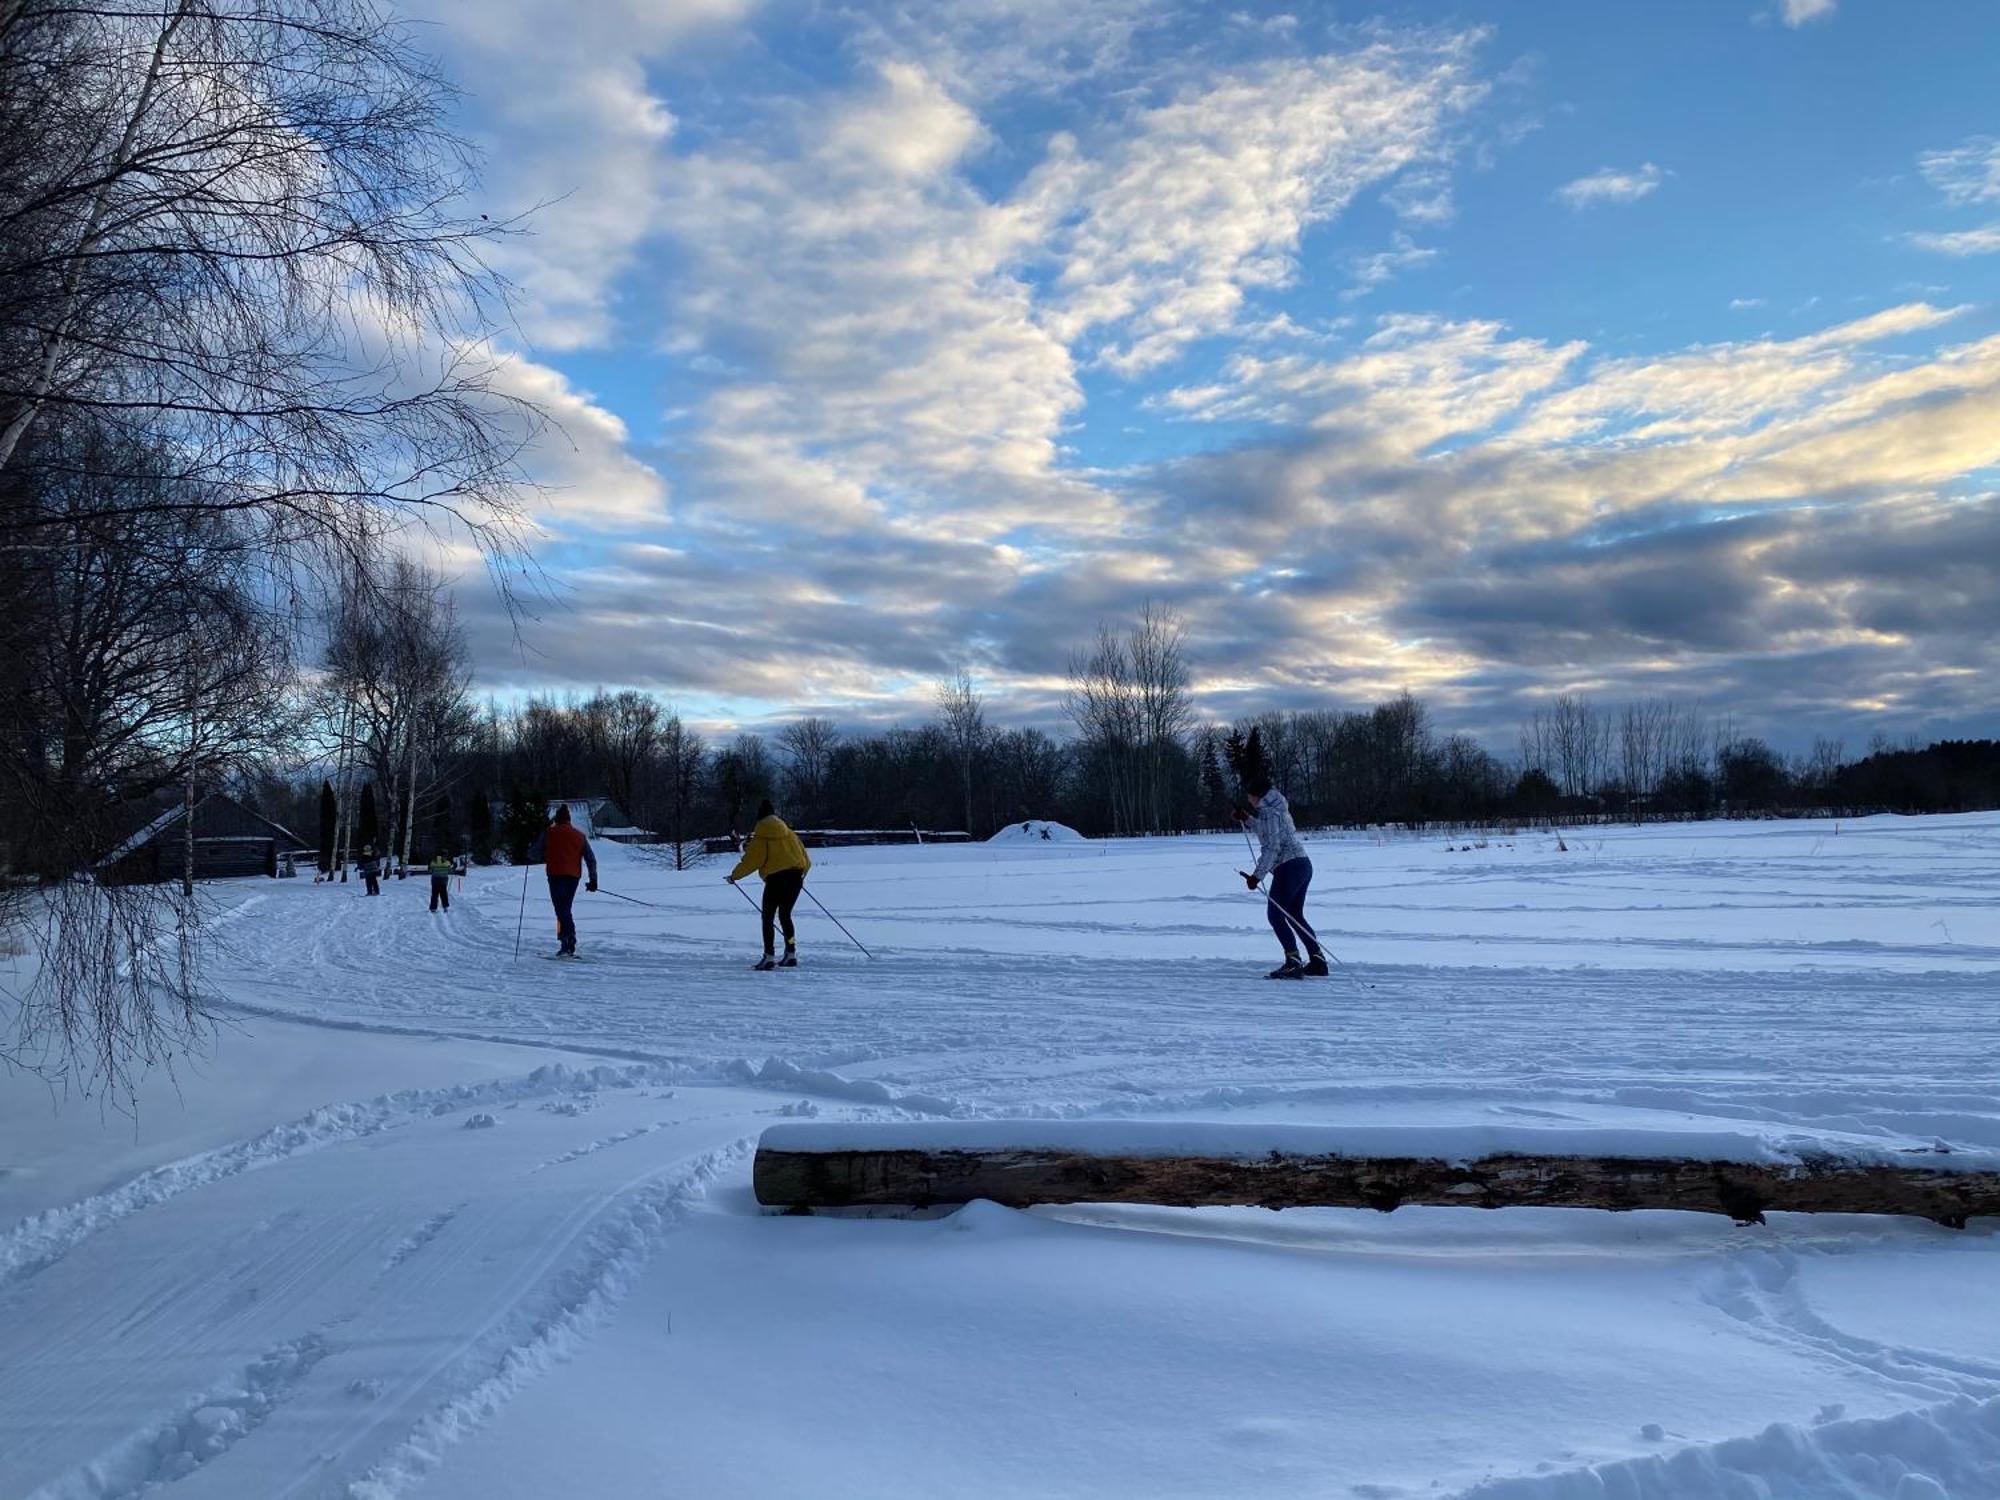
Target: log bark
{"type": "Point", "coordinates": [1021, 1177]}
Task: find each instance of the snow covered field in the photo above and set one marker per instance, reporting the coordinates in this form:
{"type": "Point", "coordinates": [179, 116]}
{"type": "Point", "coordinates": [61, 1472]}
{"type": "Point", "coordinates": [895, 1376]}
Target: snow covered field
{"type": "Point", "coordinates": [440, 1223]}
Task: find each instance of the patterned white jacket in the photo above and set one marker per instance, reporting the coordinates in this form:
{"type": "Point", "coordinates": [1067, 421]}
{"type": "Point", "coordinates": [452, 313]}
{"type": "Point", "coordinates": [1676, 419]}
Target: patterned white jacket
{"type": "Point", "coordinates": [1277, 839]}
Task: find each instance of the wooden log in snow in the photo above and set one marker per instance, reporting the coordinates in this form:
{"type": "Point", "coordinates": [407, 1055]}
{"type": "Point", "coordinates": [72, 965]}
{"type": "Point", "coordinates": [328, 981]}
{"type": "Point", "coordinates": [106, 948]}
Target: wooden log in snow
{"type": "Point", "coordinates": [808, 1167]}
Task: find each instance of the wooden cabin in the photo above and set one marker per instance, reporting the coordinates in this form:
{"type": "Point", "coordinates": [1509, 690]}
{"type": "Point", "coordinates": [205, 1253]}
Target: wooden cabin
{"type": "Point", "coordinates": [229, 841]}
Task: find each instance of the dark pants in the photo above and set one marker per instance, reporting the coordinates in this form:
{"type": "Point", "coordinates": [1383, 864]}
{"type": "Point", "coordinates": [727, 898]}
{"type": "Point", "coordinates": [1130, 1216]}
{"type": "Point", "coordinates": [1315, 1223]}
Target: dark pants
{"type": "Point", "coordinates": [1287, 905]}
{"type": "Point", "coordinates": [373, 888]}
{"type": "Point", "coordinates": [440, 892]}
{"type": "Point", "coordinates": [562, 893]}
{"type": "Point", "coordinates": [781, 894]}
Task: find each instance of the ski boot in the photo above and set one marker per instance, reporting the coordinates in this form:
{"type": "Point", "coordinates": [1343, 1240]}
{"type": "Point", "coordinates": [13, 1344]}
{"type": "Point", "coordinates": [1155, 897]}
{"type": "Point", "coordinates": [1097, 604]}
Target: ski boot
{"type": "Point", "coordinates": [790, 960]}
{"type": "Point", "coordinates": [1316, 967]}
{"type": "Point", "coordinates": [764, 965]}
{"type": "Point", "coordinates": [1291, 968]}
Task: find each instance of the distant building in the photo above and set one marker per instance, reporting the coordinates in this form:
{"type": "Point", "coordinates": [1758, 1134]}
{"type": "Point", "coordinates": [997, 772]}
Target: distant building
{"type": "Point", "coordinates": [229, 840]}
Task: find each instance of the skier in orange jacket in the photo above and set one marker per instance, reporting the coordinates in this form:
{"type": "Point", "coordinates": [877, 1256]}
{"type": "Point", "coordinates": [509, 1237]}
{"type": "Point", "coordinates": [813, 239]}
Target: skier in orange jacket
{"type": "Point", "coordinates": [566, 851]}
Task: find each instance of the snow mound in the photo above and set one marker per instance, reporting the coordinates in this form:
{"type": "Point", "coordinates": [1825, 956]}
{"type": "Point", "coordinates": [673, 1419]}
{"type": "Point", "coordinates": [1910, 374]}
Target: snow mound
{"type": "Point", "coordinates": [1949, 1449]}
{"type": "Point", "coordinates": [1036, 831]}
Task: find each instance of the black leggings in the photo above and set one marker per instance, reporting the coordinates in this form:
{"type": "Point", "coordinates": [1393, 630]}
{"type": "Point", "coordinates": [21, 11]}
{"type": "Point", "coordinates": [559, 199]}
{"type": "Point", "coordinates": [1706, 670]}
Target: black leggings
{"type": "Point", "coordinates": [1286, 905]}
{"type": "Point", "coordinates": [781, 894]}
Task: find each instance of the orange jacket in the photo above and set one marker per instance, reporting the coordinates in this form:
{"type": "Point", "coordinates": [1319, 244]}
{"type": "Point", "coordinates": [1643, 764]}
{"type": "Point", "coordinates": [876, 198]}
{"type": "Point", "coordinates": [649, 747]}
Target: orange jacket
{"type": "Point", "coordinates": [565, 850]}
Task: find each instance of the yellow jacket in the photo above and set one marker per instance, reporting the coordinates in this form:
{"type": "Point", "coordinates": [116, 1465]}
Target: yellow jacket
{"type": "Point", "coordinates": [771, 848]}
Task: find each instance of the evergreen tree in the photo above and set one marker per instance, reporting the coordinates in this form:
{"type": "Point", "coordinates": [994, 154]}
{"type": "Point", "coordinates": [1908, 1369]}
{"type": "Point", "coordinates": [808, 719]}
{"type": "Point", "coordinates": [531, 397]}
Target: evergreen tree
{"type": "Point", "coordinates": [329, 817]}
{"type": "Point", "coordinates": [1214, 786]}
{"type": "Point", "coordinates": [1247, 759]}
{"type": "Point", "coordinates": [370, 825]}
{"type": "Point", "coordinates": [479, 819]}
{"type": "Point", "coordinates": [524, 821]}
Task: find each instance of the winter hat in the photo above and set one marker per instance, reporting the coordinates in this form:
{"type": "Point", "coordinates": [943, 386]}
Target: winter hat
{"type": "Point", "coordinates": [764, 808]}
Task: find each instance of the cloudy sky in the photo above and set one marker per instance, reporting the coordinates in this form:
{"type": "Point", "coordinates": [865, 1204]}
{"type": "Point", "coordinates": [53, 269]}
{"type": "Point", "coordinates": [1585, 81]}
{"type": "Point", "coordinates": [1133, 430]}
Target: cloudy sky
{"type": "Point", "coordinates": [1488, 350]}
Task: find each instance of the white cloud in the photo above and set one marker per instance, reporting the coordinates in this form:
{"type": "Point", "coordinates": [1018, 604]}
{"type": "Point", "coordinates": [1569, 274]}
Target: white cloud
{"type": "Point", "coordinates": [1715, 389]}
{"type": "Point", "coordinates": [913, 128]}
{"type": "Point", "coordinates": [1798, 12]}
{"type": "Point", "coordinates": [882, 298]}
{"type": "Point", "coordinates": [593, 481]}
{"type": "Point", "coordinates": [1740, 304]}
{"type": "Point", "coordinates": [1982, 241]}
{"type": "Point", "coordinates": [1205, 199]}
{"type": "Point", "coordinates": [1379, 269]}
{"type": "Point", "coordinates": [571, 126]}
{"type": "Point", "coordinates": [1612, 185]}
{"type": "Point", "coordinates": [1969, 173]}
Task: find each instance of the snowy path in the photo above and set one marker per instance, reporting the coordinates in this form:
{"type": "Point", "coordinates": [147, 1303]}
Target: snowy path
{"type": "Point", "coordinates": [1907, 1041]}
{"type": "Point", "coordinates": [299, 1319]}
{"type": "Point", "coordinates": [366, 1301]}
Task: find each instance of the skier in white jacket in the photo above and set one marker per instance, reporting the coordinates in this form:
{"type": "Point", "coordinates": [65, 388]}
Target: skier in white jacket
{"type": "Point", "coordinates": [1283, 858]}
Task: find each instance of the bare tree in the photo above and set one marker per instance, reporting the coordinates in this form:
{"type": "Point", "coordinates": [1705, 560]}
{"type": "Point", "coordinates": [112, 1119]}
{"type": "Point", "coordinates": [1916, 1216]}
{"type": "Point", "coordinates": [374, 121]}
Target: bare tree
{"type": "Point", "coordinates": [962, 717]}
{"type": "Point", "coordinates": [1101, 703]}
{"type": "Point", "coordinates": [628, 737]}
{"type": "Point", "coordinates": [234, 253]}
{"type": "Point", "coordinates": [1130, 702]}
{"type": "Point", "coordinates": [742, 774]}
{"type": "Point", "coordinates": [683, 769]}
{"type": "Point", "coordinates": [228, 223]}
{"type": "Point", "coordinates": [1165, 708]}
{"type": "Point", "coordinates": [807, 746]}
{"type": "Point", "coordinates": [396, 676]}
{"type": "Point", "coordinates": [143, 655]}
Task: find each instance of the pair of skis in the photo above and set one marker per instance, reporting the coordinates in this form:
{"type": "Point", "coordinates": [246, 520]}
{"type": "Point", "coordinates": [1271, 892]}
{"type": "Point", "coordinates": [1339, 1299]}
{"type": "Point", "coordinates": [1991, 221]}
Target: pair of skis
{"type": "Point", "coordinates": [1298, 924]}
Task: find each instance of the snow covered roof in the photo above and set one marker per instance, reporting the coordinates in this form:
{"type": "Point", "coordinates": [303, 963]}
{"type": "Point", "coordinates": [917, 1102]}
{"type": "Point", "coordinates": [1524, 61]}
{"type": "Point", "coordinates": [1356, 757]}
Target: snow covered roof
{"type": "Point", "coordinates": [593, 814]}
{"type": "Point", "coordinates": [143, 837]}
{"type": "Point", "coordinates": [158, 826]}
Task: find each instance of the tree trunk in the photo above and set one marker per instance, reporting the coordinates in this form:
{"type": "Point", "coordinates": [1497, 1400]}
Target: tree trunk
{"type": "Point", "coordinates": [345, 776]}
{"type": "Point", "coordinates": [410, 805]}
{"type": "Point", "coordinates": [187, 838]}
{"type": "Point", "coordinates": [1022, 1176]}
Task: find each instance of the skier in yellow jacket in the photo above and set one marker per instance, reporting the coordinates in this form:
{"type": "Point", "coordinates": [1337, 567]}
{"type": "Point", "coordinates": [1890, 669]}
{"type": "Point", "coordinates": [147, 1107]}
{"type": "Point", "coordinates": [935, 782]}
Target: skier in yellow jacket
{"type": "Point", "coordinates": [775, 853]}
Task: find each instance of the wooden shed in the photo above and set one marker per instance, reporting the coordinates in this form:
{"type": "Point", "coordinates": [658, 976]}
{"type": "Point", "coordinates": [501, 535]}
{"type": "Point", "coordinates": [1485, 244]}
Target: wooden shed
{"type": "Point", "coordinates": [229, 840]}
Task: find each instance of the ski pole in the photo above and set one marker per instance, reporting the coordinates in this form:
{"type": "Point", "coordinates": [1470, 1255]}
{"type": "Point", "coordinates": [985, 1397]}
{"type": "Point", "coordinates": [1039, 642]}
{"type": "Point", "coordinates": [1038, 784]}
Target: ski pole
{"type": "Point", "coordinates": [837, 922]}
{"type": "Point", "coordinates": [633, 899]}
{"type": "Point", "coordinates": [521, 920]}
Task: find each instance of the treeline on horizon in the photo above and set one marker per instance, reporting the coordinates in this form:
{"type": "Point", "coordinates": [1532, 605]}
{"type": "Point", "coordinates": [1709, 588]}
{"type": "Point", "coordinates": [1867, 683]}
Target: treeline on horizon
{"type": "Point", "coordinates": [418, 767]}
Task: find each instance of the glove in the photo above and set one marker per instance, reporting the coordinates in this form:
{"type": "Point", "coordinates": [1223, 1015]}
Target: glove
{"type": "Point", "coordinates": [730, 878]}
{"type": "Point", "coordinates": [590, 886]}
{"type": "Point", "coordinates": [1251, 881]}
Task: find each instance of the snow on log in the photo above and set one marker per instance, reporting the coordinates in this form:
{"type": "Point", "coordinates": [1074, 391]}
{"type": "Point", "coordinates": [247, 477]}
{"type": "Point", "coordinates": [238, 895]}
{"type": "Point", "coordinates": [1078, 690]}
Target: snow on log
{"type": "Point", "coordinates": [1198, 1164]}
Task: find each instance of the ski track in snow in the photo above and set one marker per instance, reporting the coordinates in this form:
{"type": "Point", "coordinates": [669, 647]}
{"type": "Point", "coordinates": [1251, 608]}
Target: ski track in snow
{"type": "Point", "coordinates": [1781, 975]}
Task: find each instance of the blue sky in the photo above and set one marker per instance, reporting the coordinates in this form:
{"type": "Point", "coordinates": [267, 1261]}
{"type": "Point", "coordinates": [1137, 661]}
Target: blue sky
{"type": "Point", "coordinates": [1492, 351]}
